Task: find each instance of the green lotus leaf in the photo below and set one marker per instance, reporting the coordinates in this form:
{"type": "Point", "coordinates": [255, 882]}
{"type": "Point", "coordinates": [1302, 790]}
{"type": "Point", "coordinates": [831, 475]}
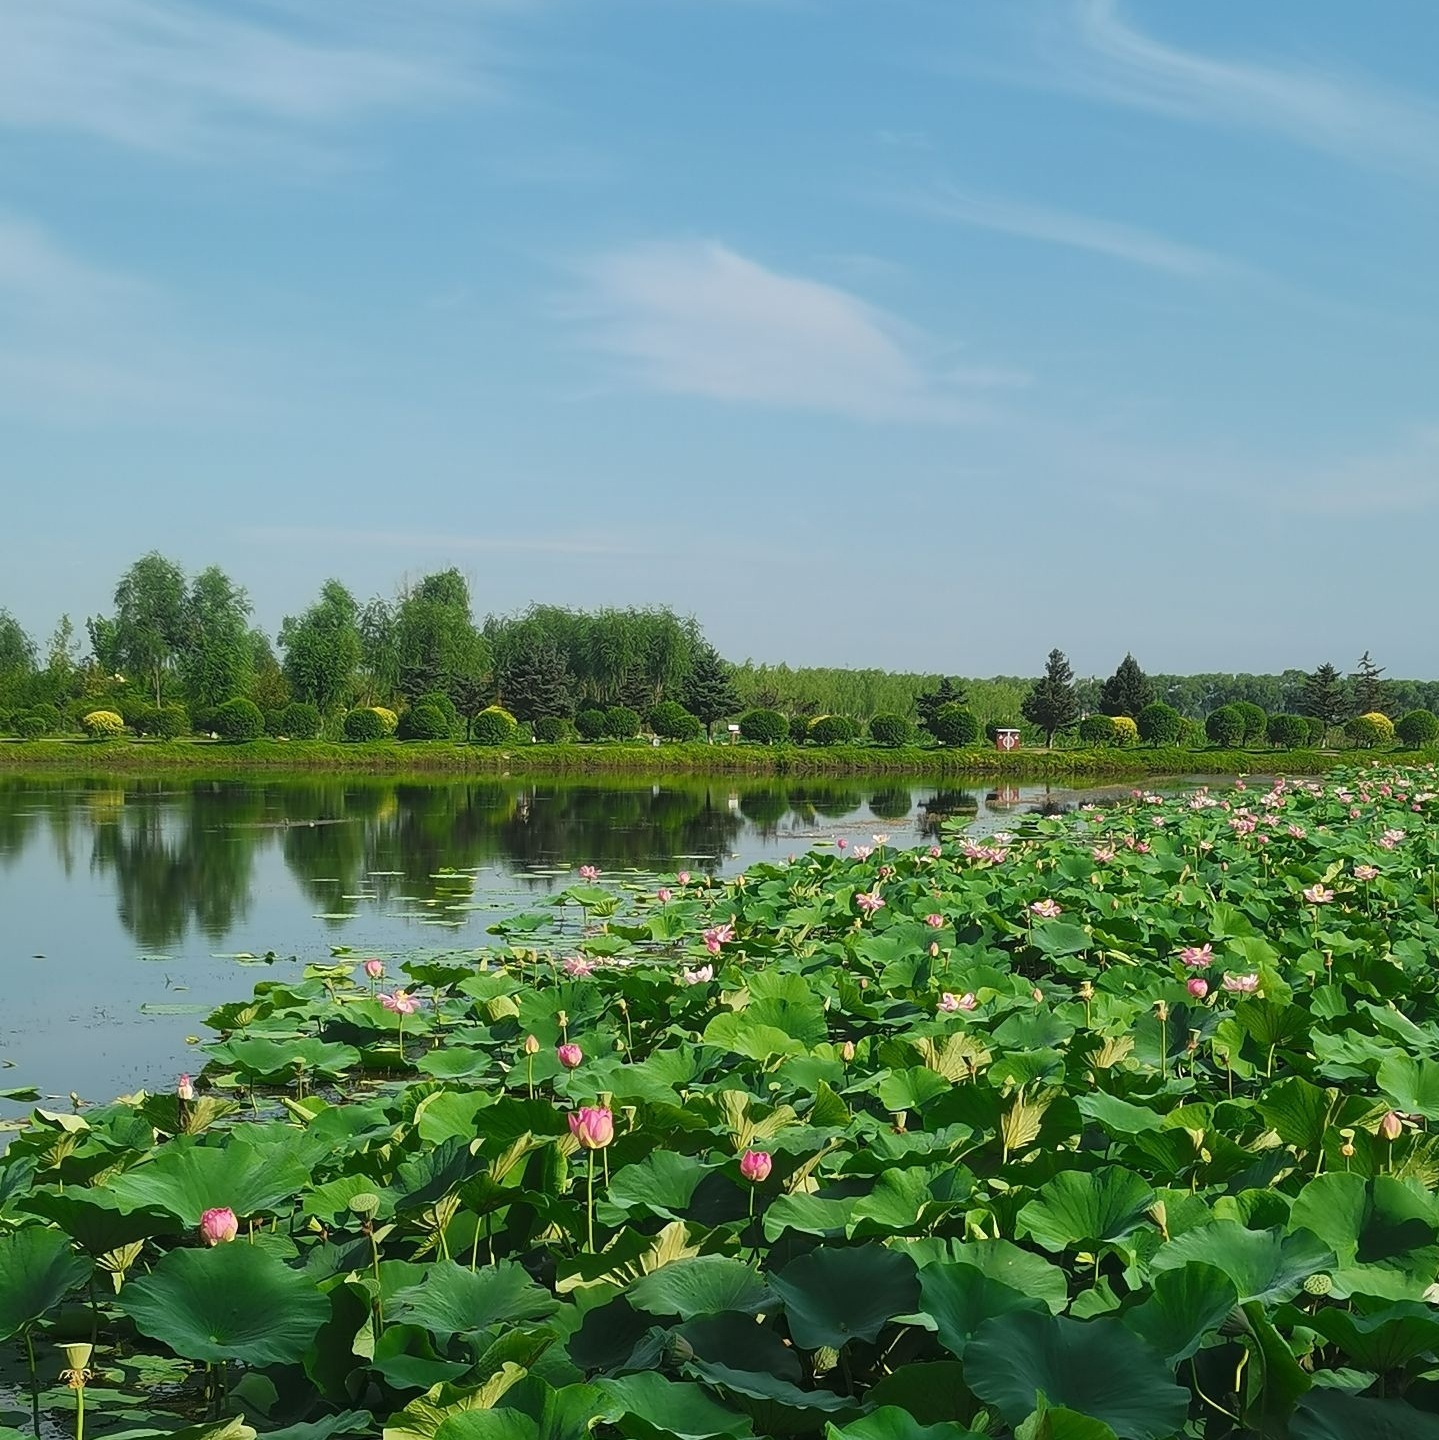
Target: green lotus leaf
{"type": "Point", "coordinates": [662, 1184]}
{"type": "Point", "coordinates": [95, 1221]}
{"type": "Point", "coordinates": [1412, 1084]}
{"type": "Point", "coordinates": [910, 1089]}
{"type": "Point", "coordinates": [452, 1300]}
{"type": "Point", "coordinates": [276, 1059]}
{"type": "Point", "coordinates": [1184, 1307]}
{"type": "Point", "coordinates": [1326, 1414]}
{"type": "Point", "coordinates": [1298, 1112]}
{"type": "Point", "coordinates": [231, 1302]}
{"type": "Point", "coordinates": [185, 1180]}
{"type": "Point", "coordinates": [960, 1298]}
{"type": "Point", "coordinates": [38, 1269]}
{"type": "Point", "coordinates": [1383, 1230]}
{"type": "Point", "coordinates": [1075, 1208]}
{"type": "Point", "coordinates": [1094, 1367]}
{"type": "Point", "coordinates": [889, 1422]}
{"type": "Point", "coordinates": [832, 1296]}
{"type": "Point", "coordinates": [702, 1285]}
{"type": "Point", "coordinates": [1383, 1340]}
{"type": "Point", "coordinates": [1117, 1116]}
{"type": "Point", "coordinates": [1263, 1264]}
{"type": "Point", "coordinates": [347, 1422]}
{"type": "Point", "coordinates": [649, 1406]}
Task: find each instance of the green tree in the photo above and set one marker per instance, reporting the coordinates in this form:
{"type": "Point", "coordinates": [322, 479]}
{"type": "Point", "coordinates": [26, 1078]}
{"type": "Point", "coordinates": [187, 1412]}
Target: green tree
{"type": "Point", "coordinates": [1225, 726]}
{"type": "Point", "coordinates": [1325, 699]}
{"type": "Point", "coordinates": [62, 662]}
{"type": "Point", "coordinates": [929, 703]}
{"type": "Point", "coordinates": [1052, 704]}
{"type": "Point", "coordinates": [379, 652]}
{"type": "Point", "coordinates": [534, 679]}
{"type": "Point", "coordinates": [322, 649]}
{"type": "Point", "coordinates": [437, 645]}
{"type": "Point", "coordinates": [953, 724]}
{"type": "Point", "coordinates": [1369, 692]}
{"type": "Point", "coordinates": [708, 692]}
{"type": "Point", "coordinates": [1288, 732]}
{"type": "Point", "coordinates": [1159, 724]}
{"type": "Point", "coordinates": [1418, 729]}
{"type": "Point", "coordinates": [17, 660]}
{"type": "Point", "coordinates": [1127, 691]}
{"type": "Point", "coordinates": [150, 604]}
{"type": "Point", "coordinates": [215, 660]}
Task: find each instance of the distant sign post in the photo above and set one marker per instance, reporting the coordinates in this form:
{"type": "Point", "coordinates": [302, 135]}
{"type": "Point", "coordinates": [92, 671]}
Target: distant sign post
{"type": "Point", "coordinates": [733, 731]}
{"type": "Point", "coordinates": [1006, 739]}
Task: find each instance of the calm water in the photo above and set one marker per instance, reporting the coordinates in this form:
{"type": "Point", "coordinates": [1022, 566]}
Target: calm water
{"type": "Point", "coordinates": [127, 906]}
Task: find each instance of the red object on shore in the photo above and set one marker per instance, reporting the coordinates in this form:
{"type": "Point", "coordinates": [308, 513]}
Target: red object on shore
{"type": "Point", "coordinates": [1006, 739]}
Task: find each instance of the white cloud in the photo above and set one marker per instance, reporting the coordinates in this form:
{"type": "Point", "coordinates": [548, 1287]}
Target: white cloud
{"type": "Point", "coordinates": [1323, 108]}
{"type": "Point", "coordinates": [186, 79]}
{"type": "Point", "coordinates": [697, 318]}
{"type": "Point", "coordinates": [1062, 227]}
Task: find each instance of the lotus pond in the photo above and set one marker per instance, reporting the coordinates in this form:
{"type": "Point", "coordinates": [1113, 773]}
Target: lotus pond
{"type": "Point", "coordinates": [1113, 1127]}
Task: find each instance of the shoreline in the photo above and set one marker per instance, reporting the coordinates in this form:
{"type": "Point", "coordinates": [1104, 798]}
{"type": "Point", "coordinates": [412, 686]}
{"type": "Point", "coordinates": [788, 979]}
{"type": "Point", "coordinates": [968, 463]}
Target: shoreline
{"type": "Point", "coordinates": [439, 759]}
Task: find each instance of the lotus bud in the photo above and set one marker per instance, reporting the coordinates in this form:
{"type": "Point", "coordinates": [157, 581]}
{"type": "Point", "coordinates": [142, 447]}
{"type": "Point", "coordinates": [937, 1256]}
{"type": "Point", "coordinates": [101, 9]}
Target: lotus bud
{"type": "Point", "coordinates": [593, 1126]}
{"type": "Point", "coordinates": [755, 1166]}
{"type": "Point", "coordinates": [1198, 987]}
{"type": "Point", "coordinates": [847, 1054]}
{"type": "Point", "coordinates": [185, 1088]}
{"type": "Point", "coordinates": [933, 948]}
{"type": "Point", "coordinates": [532, 1045]}
{"type": "Point", "coordinates": [1086, 990]}
{"type": "Point", "coordinates": [1161, 1009]}
{"type": "Point", "coordinates": [1391, 1126]}
{"type": "Point", "coordinates": [1037, 995]}
{"type": "Point", "coordinates": [218, 1227]}
{"type": "Point", "coordinates": [569, 1055]}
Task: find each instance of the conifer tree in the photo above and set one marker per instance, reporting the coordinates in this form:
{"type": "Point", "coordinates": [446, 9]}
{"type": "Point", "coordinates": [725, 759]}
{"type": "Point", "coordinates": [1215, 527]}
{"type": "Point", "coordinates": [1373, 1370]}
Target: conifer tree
{"type": "Point", "coordinates": [1127, 691]}
{"type": "Point", "coordinates": [708, 692]}
{"type": "Point", "coordinates": [1052, 705]}
{"type": "Point", "coordinates": [1324, 698]}
{"type": "Point", "coordinates": [1370, 691]}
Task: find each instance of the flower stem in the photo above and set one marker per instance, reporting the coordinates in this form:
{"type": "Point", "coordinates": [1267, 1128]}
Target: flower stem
{"type": "Point", "coordinates": [34, 1382]}
{"type": "Point", "coordinates": [590, 1203]}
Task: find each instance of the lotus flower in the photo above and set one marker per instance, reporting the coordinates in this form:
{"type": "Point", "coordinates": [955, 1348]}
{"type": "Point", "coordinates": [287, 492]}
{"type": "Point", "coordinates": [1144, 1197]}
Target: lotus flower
{"type": "Point", "coordinates": [700, 975]}
{"type": "Point", "coordinates": [569, 1055]}
{"type": "Point", "coordinates": [1391, 1126]}
{"type": "Point", "coordinates": [934, 921]}
{"type": "Point", "coordinates": [664, 895]}
{"type": "Point", "coordinates": [880, 839]}
{"type": "Point", "coordinates": [589, 874]}
{"type": "Point", "coordinates": [1198, 987]}
{"type": "Point", "coordinates": [1318, 895]}
{"type": "Point", "coordinates": [1047, 909]}
{"type": "Point", "coordinates": [842, 843]}
{"type": "Point", "coordinates": [374, 968]}
{"type": "Point", "coordinates": [578, 968]}
{"type": "Point", "coordinates": [1390, 838]}
{"type": "Point", "coordinates": [862, 852]}
{"type": "Point", "coordinates": [218, 1227]}
{"type": "Point", "coordinates": [1197, 956]}
{"type": "Point", "coordinates": [1241, 984]}
{"type": "Point", "coordinates": [683, 877]}
{"type": "Point", "coordinates": [593, 1126]}
{"type": "Point", "coordinates": [1366, 872]}
{"type": "Point", "coordinates": [185, 1088]}
{"type": "Point", "coordinates": [935, 852]}
{"type": "Point", "coordinates": [718, 935]}
{"type": "Point", "coordinates": [755, 1166]}
{"type": "Point", "coordinates": [401, 1002]}
{"type": "Point", "coordinates": [869, 901]}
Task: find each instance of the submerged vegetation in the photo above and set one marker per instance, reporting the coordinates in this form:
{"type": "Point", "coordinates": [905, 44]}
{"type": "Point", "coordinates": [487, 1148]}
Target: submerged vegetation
{"type": "Point", "coordinates": [1113, 1127]}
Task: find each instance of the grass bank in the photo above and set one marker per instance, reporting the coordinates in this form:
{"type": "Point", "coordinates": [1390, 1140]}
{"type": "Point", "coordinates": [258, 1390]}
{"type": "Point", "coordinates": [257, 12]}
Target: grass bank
{"type": "Point", "coordinates": [204, 757]}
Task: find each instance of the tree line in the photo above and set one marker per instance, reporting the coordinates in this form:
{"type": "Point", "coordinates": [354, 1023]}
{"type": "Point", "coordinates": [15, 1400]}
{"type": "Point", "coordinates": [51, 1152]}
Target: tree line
{"type": "Point", "coordinates": [175, 650]}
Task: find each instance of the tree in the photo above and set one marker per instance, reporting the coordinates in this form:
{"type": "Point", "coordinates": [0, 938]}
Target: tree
{"type": "Point", "coordinates": [215, 659]}
{"type": "Point", "coordinates": [437, 645]}
{"type": "Point", "coordinates": [929, 703]}
{"type": "Point", "coordinates": [379, 656]}
{"type": "Point", "coordinates": [1225, 726]}
{"type": "Point", "coordinates": [62, 661]}
{"type": "Point", "coordinates": [1127, 691]}
{"type": "Point", "coordinates": [17, 660]}
{"type": "Point", "coordinates": [1369, 693]}
{"type": "Point", "coordinates": [1288, 732]}
{"type": "Point", "coordinates": [1418, 729]}
{"type": "Point", "coordinates": [1052, 704]}
{"type": "Point", "coordinates": [708, 692]}
{"type": "Point", "coordinates": [322, 649]}
{"type": "Point", "coordinates": [1324, 699]}
{"type": "Point", "coordinates": [534, 679]}
{"type": "Point", "coordinates": [953, 724]}
{"type": "Point", "coordinates": [1160, 724]}
{"type": "Point", "coordinates": [150, 618]}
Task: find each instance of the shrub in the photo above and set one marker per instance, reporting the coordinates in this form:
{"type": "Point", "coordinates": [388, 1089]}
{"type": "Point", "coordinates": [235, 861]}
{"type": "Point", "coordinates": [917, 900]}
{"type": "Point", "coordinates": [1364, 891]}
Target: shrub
{"type": "Point", "coordinates": [890, 730]}
{"type": "Point", "coordinates": [1317, 730]}
{"type": "Point", "coordinates": [1418, 729]}
{"type": "Point", "coordinates": [671, 721]}
{"type": "Point", "coordinates": [424, 722]}
{"type": "Point", "coordinates": [1256, 720]}
{"type": "Point", "coordinates": [1225, 727]}
{"type": "Point", "coordinates": [364, 724]}
{"type": "Point", "coordinates": [1098, 730]}
{"type": "Point", "coordinates": [1370, 730]}
{"type": "Point", "coordinates": [165, 722]}
{"type": "Point", "coordinates": [438, 700]}
{"type": "Point", "coordinates": [954, 725]}
{"type": "Point", "coordinates": [590, 724]}
{"type": "Point", "coordinates": [493, 726]}
{"type": "Point", "coordinates": [49, 717]}
{"type": "Point", "coordinates": [103, 725]}
{"type": "Point", "coordinates": [832, 730]}
{"type": "Point", "coordinates": [389, 721]}
{"type": "Point", "coordinates": [798, 729]}
{"type": "Point", "coordinates": [1288, 732]}
{"type": "Point", "coordinates": [764, 727]}
{"type": "Point", "coordinates": [1191, 734]}
{"type": "Point", "coordinates": [553, 730]}
{"type": "Point", "coordinates": [621, 723]}
{"type": "Point", "coordinates": [1160, 724]}
{"type": "Point", "coordinates": [30, 726]}
{"type": "Point", "coordinates": [300, 721]}
{"type": "Point", "coordinates": [1126, 731]}
{"type": "Point", "coordinates": [239, 720]}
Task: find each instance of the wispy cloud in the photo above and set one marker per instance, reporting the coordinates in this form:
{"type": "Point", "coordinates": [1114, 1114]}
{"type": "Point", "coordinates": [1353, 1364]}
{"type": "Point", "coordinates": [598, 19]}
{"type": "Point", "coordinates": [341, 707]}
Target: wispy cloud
{"type": "Point", "coordinates": [196, 81]}
{"type": "Point", "coordinates": [697, 318]}
{"type": "Point", "coordinates": [1062, 227]}
{"type": "Point", "coordinates": [1324, 108]}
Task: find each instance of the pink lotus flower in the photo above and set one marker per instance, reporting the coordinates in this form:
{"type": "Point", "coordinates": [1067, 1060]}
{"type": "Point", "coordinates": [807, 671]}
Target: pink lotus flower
{"type": "Point", "coordinates": [1296, 832]}
{"type": "Point", "coordinates": [1241, 824]}
{"type": "Point", "coordinates": [589, 873]}
{"type": "Point", "coordinates": [1197, 955]}
{"type": "Point", "coordinates": [569, 1055]}
{"type": "Point", "coordinates": [185, 1088]}
{"type": "Point", "coordinates": [935, 852]}
{"type": "Point", "coordinates": [374, 969]}
{"type": "Point", "coordinates": [683, 877]}
{"type": "Point", "coordinates": [949, 1003]}
{"type": "Point", "coordinates": [1047, 909]}
{"type": "Point", "coordinates": [1391, 1126]}
{"type": "Point", "coordinates": [841, 843]}
{"type": "Point", "coordinates": [664, 895]}
{"type": "Point", "coordinates": [1198, 987]}
{"type": "Point", "coordinates": [755, 1166]}
{"type": "Point", "coordinates": [1390, 838]}
{"type": "Point", "coordinates": [593, 1126]}
{"type": "Point", "coordinates": [1103, 853]}
{"type": "Point", "coordinates": [718, 935]}
{"type": "Point", "coordinates": [869, 901]}
{"type": "Point", "coordinates": [1318, 895]}
{"type": "Point", "coordinates": [1366, 872]}
{"type": "Point", "coordinates": [578, 968]}
{"type": "Point", "coordinates": [1142, 847]}
{"type": "Point", "coordinates": [880, 839]}
{"type": "Point", "coordinates": [700, 975]}
{"type": "Point", "coordinates": [862, 852]}
{"type": "Point", "coordinates": [218, 1227]}
{"type": "Point", "coordinates": [934, 921]}
{"type": "Point", "coordinates": [400, 1003]}
{"type": "Point", "coordinates": [1241, 984]}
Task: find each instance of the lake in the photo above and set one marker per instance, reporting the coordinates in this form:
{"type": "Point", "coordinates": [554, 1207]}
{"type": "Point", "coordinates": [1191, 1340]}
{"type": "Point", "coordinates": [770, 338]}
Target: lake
{"type": "Point", "coordinates": [132, 907]}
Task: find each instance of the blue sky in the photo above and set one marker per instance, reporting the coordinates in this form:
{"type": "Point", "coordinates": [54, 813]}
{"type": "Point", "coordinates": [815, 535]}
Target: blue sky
{"type": "Point", "coordinates": [912, 333]}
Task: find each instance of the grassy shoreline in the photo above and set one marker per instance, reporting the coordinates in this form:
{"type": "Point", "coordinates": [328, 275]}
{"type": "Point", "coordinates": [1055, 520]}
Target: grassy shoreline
{"type": "Point", "coordinates": [444, 758]}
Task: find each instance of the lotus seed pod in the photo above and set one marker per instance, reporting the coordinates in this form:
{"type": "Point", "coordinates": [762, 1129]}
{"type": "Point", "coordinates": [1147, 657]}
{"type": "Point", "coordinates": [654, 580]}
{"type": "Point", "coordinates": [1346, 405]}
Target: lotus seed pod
{"type": "Point", "coordinates": [1318, 1284]}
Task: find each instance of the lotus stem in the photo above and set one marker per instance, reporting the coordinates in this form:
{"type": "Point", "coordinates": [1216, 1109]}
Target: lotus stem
{"type": "Point", "coordinates": [34, 1382]}
{"type": "Point", "coordinates": [590, 1203]}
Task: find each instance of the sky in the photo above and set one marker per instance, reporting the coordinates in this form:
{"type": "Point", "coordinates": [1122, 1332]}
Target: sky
{"type": "Point", "coordinates": [910, 333]}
